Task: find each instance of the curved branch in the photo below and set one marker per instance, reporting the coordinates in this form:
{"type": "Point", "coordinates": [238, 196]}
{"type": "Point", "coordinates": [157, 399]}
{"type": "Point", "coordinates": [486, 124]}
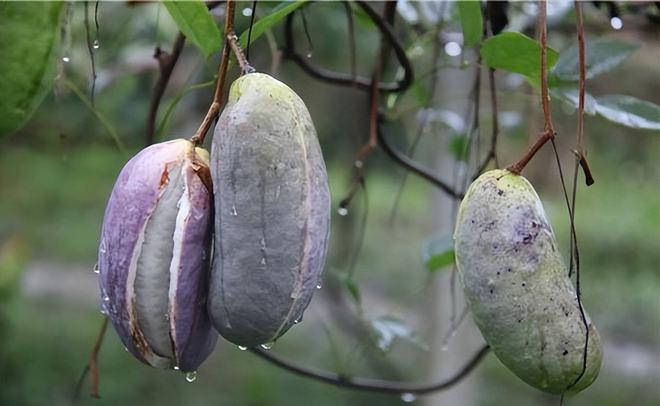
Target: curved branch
{"type": "Point", "coordinates": [343, 79]}
{"type": "Point", "coordinates": [166, 62]}
{"type": "Point", "coordinates": [413, 166]}
{"type": "Point", "coordinates": [373, 385]}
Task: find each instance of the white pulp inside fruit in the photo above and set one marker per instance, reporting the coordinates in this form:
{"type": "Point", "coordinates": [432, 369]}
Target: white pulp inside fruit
{"type": "Point", "coordinates": [152, 280]}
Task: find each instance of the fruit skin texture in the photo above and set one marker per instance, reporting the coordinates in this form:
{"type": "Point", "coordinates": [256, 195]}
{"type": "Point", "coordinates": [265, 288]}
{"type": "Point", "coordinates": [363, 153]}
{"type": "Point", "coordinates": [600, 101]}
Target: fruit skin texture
{"type": "Point", "coordinates": [154, 256]}
{"type": "Point", "coordinates": [272, 204]}
{"type": "Point", "coordinates": [517, 285]}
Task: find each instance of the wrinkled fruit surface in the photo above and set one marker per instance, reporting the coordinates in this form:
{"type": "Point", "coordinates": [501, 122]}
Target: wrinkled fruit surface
{"type": "Point", "coordinates": [517, 285]}
{"type": "Point", "coordinates": [154, 256]}
{"type": "Point", "coordinates": [272, 206]}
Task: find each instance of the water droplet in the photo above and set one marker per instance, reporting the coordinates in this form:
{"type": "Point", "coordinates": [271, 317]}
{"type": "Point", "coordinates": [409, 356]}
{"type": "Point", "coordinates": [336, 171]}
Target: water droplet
{"type": "Point", "coordinates": [267, 346]}
{"type": "Point", "coordinates": [240, 347]}
{"type": "Point", "coordinates": [263, 260]}
{"type": "Point", "coordinates": [96, 268]}
{"type": "Point", "coordinates": [126, 349]}
{"type": "Point", "coordinates": [616, 23]}
{"type": "Point", "coordinates": [66, 59]}
{"type": "Point", "coordinates": [104, 311]}
{"type": "Point", "coordinates": [342, 211]}
{"type": "Point", "coordinates": [408, 397]}
{"type": "Point", "coordinates": [191, 376]}
{"type": "Point", "coordinates": [247, 12]}
{"type": "Point", "coordinates": [176, 368]}
{"type": "Point", "coordinates": [309, 55]}
{"type": "Point", "coordinates": [453, 48]}
{"type": "Point", "coordinates": [233, 211]}
{"type": "Point", "coordinates": [319, 285]}
{"type": "Point", "coordinates": [298, 320]}
{"type": "Point", "coordinates": [96, 44]}
{"type": "Point", "coordinates": [358, 164]}
{"type": "Point", "coordinates": [106, 298]}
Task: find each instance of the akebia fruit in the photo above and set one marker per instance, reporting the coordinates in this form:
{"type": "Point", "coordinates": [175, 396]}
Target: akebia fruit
{"type": "Point", "coordinates": [154, 254]}
{"type": "Point", "coordinates": [272, 212]}
{"type": "Point", "coordinates": [517, 286]}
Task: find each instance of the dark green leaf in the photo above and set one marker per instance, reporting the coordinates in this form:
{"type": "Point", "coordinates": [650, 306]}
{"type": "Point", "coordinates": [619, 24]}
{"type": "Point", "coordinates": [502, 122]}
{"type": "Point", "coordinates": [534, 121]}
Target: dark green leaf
{"type": "Point", "coordinates": [388, 328]}
{"type": "Point", "coordinates": [28, 47]}
{"type": "Point", "coordinates": [282, 10]}
{"type": "Point", "coordinates": [459, 147]}
{"type": "Point", "coordinates": [600, 55]}
{"type": "Point", "coordinates": [196, 23]}
{"type": "Point", "coordinates": [629, 111]}
{"type": "Point", "coordinates": [471, 21]}
{"type": "Point", "coordinates": [515, 52]}
{"type": "Point", "coordinates": [439, 253]}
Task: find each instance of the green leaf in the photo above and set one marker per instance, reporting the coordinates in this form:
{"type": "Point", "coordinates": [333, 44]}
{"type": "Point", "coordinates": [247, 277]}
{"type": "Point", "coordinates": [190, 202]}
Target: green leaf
{"type": "Point", "coordinates": [439, 252]}
{"type": "Point", "coordinates": [629, 111]}
{"type": "Point", "coordinates": [515, 52]}
{"type": "Point", "coordinates": [28, 47]}
{"type": "Point", "coordinates": [350, 285]}
{"type": "Point", "coordinates": [471, 21]}
{"type": "Point", "coordinates": [196, 23]}
{"type": "Point", "coordinates": [600, 56]}
{"type": "Point", "coordinates": [570, 96]}
{"type": "Point", "coordinates": [459, 146]}
{"type": "Point", "coordinates": [387, 328]}
{"type": "Point", "coordinates": [282, 10]}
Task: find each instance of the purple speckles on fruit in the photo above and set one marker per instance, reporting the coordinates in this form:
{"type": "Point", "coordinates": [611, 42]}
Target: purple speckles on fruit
{"type": "Point", "coordinates": [153, 268]}
{"type": "Point", "coordinates": [517, 286]}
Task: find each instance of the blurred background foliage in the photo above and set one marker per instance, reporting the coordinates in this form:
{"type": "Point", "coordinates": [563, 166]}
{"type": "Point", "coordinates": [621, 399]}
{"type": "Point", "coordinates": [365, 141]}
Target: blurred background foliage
{"type": "Point", "coordinates": [381, 312]}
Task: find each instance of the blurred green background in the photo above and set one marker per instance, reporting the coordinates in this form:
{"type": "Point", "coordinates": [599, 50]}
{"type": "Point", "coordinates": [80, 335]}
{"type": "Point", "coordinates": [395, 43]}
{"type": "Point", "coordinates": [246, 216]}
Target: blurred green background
{"type": "Point", "coordinates": [57, 172]}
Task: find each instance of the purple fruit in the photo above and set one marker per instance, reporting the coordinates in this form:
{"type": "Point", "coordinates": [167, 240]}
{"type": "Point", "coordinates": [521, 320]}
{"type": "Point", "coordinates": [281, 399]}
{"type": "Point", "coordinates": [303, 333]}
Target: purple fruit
{"type": "Point", "coordinates": [154, 256]}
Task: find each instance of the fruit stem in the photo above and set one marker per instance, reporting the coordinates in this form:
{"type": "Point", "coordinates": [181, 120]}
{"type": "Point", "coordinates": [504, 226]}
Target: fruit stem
{"type": "Point", "coordinates": [214, 109]}
{"type": "Point", "coordinates": [232, 40]}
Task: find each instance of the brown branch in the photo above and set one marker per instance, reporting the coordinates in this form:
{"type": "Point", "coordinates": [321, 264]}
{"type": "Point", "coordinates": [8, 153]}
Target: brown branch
{"type": "Point", "coordinates": [214, 108]}
{"type": "Point", "coordinates": [373, 385]}
{"type": "Point", "coordinates": [549, 130]}
{"type": "Point", "coordinates": [92, 364]}
{"type": "Point", "coordinates": [166, 62]}
{"type": "Point", "coordinates": [413, 166]}
{"type": "Point", "coordinates": [579, 137]}
{"type": "Point", "coordinates": [545, 95]}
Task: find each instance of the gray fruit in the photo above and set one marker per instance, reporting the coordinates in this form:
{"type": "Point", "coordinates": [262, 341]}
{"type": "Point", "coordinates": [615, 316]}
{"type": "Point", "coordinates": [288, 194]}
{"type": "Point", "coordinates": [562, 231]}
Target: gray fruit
{"type": "Point", "coordinates": [272, 205]}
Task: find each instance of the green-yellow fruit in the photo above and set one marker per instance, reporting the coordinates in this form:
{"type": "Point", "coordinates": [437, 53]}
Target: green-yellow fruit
{"type": "Point", "coordinates": [517, 286]}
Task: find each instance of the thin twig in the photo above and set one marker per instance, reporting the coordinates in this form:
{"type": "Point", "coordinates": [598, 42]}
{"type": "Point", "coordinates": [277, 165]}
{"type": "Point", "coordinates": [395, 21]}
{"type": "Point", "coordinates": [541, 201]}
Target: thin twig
{"type": "Point", "coordinates": [575, 256]}
{"type": "Point", "coordinates": [373, 385]}
{"type": "Point", "coordinates": [92, 365]}
{"type": "Point", "coordinates": [549, 130]}
{"type": "Point", "coordinates": [351, 39]}
{"type": "Point", "coordinates": [343, 79]}
{"type": "Point", "coordinates": [214, 108]}
{"type": "Point", "coordinates": [413, 166]}
{"type": "Point", "coordinates": [90, 48]}
{"type": "Point", "coordinates": [249, 37]}
{"type": "Point", "coordinates": [579, 141]}
{"type": "Point", "coordinates": [166, 63]}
